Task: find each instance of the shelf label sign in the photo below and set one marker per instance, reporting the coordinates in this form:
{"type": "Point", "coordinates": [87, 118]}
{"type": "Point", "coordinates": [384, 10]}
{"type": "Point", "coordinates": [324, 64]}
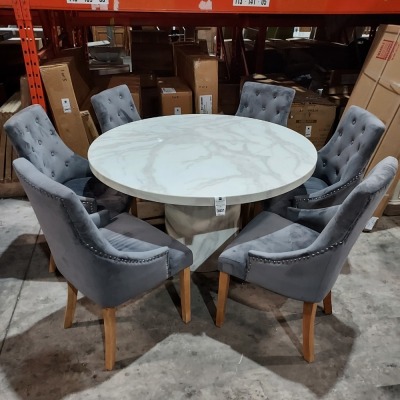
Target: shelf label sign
{"type": "Point", "coordinates": [251, 3]}
{"type": "Point", "coordinates": [94, 2]}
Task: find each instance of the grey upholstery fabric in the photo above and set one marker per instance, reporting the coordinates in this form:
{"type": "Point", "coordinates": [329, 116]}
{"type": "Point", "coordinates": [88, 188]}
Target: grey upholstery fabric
{"type": "Point", "coordinates": [296, 261]}
{"type": "Point", "coordinates": [114, 107]}
{"type": "Point", "coordinates": [110, 264]}
{"type": "Point", "coordinates": [35, 138]}
{"type": "Point", "coordinates": [340, 164]}
{"type": "Point", "coordinates": [270, 103]}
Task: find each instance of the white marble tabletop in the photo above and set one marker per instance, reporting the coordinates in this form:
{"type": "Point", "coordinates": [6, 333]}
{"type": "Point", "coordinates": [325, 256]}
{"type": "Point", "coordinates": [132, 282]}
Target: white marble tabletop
{"type": "Point", "coordinates": [192, 159]}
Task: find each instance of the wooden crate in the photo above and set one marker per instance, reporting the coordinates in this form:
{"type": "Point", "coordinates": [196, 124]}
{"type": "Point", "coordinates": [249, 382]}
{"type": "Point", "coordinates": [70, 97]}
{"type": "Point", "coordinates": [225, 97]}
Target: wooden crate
{"type": "Point", "coordinates": [9, 184]}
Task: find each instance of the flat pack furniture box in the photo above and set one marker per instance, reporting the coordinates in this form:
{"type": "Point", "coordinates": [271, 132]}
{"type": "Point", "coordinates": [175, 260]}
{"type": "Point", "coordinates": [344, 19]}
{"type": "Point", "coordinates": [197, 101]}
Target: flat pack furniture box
{"type": "Point", "coordinates": [66, 89]}
{"type": "Point", "coordinates": [175, 96]}
{"type": "Point", "coordinates": [200, 72]}
{"type": "Point", "coordinates": [378, 91]}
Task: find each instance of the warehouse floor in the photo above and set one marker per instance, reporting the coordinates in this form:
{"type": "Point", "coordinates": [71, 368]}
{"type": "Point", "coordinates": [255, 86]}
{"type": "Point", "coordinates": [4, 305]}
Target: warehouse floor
{"type": "Point", "coordinates": [255, 355]}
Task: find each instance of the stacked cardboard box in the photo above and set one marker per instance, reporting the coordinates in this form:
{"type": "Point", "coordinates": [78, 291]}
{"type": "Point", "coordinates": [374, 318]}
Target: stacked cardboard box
{"type": "Point", "coordinates": [377, 90]}
{"type": "Point", "coordinates": [200, 72]}
{"type": "Point", "coordinates": [175, 96]}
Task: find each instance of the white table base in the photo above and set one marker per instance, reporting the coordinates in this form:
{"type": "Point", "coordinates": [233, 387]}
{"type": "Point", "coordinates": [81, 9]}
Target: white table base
{"type": "Point", "coordinates": [202, 231]}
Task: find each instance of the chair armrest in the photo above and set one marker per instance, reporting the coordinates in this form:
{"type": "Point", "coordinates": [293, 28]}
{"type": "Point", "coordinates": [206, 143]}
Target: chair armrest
{"type": "Point", "coordinates": [329, 196]}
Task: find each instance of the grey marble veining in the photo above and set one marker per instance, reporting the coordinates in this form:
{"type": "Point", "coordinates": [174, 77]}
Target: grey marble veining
{"type": "Point", "coordinates": [191, 159]}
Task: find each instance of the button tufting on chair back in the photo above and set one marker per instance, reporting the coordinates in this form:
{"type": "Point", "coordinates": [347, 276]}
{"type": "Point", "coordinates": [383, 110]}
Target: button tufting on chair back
{"type": "Point", "coordinates": [266, 102]}
{"type": "Point", "coordinates": [340, 165]}
{"type": "Point", "coordinates": [35, 138]}
{"type": "Point", "coordinates": [114, 107]}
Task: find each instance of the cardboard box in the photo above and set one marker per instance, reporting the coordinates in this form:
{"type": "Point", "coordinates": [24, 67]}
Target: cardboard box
{"type": "Point", "coordinates": [378, 91]}
{"type": "Point", "coordinates": [66, 88]}
{"type": "Point", "coordinates": [200, 72]}
{"type": "Point", "coordinates": [175, 96]}
{"type": "Point", "coordinates": [311, 115]}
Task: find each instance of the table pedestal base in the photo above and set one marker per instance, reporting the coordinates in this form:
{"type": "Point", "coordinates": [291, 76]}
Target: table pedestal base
{"type": "Point", "coordinates": [202, 231]}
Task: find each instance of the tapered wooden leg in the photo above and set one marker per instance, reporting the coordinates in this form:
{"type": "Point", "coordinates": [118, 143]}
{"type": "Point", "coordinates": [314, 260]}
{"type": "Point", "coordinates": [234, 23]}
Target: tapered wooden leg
{"type": "Point", "coordinates": [328, 304]}
{"type": "Point", "coordinates": [223, 288]}
{"type": "Point", "coordinates": [134, 207]}
{"type": "Point", "coordinates": [71, 304]}
{"type": "Point", "coordinates": [184, 280]}
{"type": "Point", "coordinates": [110, 341]}
{"type": "Point", "coordinates": [309, 310]}
{"type": "Point", "coordinates": [52, 264]}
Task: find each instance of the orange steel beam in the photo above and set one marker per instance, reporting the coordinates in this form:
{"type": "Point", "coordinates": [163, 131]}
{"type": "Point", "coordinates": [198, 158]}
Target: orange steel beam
{"type": "Point", "coordinates": [29, 50]}
{"type": "Point", "coordinates": [228, 6]}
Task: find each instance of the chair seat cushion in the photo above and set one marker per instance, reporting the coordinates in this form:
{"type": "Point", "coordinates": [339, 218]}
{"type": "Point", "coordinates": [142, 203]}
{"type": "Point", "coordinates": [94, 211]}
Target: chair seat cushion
{"type": "Point", "coordinates": [267, 232]}
{"type": "Point", "coordinates": [106, 197]}
{"type": "Point", "coordinates": [119, 233]}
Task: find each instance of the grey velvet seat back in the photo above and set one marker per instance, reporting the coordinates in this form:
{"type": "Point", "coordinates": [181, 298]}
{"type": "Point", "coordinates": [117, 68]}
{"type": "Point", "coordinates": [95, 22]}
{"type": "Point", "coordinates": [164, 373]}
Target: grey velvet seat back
{"type": "Point", "coordinates": [345, 156]}
{"type": "Point", "coordinates": [266, 102]}
{"type": "Point", "coordinates": [294, 257]}
{"type": "Point", "coordinates": [106, 273]}
{"type": "Point", "coordinates": [114, 107]}
{"type": "Point", "coordinates": [35, 138]}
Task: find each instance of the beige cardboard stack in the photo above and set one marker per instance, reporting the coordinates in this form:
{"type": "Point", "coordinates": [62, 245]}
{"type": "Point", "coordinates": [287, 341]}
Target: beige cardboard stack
{"type": "Point", "coordinates": [378, 91]}
{"type": "Point", "coordinates": [200, 72]}
{"type": "Point", "coordinates": [68, 86]}
{"type": "Point", "coordinates": [175, 96]}
{"type": "Point", "coordinates": [9, 185]}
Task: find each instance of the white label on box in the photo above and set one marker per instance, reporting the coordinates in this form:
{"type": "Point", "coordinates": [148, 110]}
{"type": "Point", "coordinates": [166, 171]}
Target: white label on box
{"type": "Point", "coordinates": [205, 104]}
{"type": "Point", "coordinates": [168, 90]}
{"type": "Point", "coordinates": [251, 3]}
{"type": "Point", "coordinates": [177, 111]}
{"type": "Point", "coordinates": [308, 131]}
{"type": "Point", "coordinates": [97, 2]}
{"type": "Point", "coordinates": [66, 105]}
{"type": "Point", "coordinates": [220, 206]}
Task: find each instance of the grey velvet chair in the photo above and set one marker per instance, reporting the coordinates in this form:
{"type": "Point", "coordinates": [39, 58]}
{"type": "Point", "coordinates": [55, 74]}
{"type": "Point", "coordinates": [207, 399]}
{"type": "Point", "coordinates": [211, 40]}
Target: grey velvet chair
{"type": "Point", "coordinates": [109, 259]}
{"type": "Point", "coordinates": [270, 103]}
{"type": "Point", "coordinates": [340, 165]}
{"type": "Point", "coordinates": [34, 137]}
{"type": "Point", "coordinates": [114, 107]}
{"type": "Point", "coordinates": [301, 257]}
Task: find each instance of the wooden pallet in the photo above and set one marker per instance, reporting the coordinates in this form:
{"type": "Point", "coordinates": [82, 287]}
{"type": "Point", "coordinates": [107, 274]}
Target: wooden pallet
{"type": "Point", "coordinates": [9, 184]}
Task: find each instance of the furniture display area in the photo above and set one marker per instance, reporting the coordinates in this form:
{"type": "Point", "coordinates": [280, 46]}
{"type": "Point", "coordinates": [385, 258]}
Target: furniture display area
{"type": "Point", "coordinates": [198, 164]}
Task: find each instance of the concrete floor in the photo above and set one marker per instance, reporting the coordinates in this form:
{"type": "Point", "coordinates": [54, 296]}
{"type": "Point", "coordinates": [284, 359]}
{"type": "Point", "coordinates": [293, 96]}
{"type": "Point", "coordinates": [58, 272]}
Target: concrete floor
{"type": "Point", "coordinates": [255, 355]}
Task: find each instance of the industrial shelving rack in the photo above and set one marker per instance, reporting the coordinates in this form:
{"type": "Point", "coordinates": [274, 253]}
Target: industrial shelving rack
{"type": "Point", "coordinates": [236, 13]}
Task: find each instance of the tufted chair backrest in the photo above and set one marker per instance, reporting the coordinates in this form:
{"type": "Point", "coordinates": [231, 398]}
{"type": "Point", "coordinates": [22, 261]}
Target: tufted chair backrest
{"type": "Point", "coordinates": [348, 151]}
{"type": "Point", "coordinates": [35, 138]}
{"type": "Point", "coordinates": [266, 102]}
{"type": "Point", "coordinates": [114, 107]}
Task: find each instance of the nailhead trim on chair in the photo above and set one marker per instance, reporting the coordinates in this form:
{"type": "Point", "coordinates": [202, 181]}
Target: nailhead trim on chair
{"type": "Point", "coordinates": [92, 248]}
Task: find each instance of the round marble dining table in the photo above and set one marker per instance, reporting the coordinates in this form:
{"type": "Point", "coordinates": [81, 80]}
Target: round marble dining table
{"type": "Point", "coordinates": [194, 163]}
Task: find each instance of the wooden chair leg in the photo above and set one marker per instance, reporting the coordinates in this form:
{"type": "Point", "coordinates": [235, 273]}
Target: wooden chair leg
{"type": "Point", "coordinates": [52, 264]}
{"type": "Point", "coordinates": [134, 207]}
{"type": "Point", "coordinates": [184, 279]}
{"type": "Point", "coordinates": [309, 310]}
{"type": "Point", "coordinates": [110, 341]}
{"type": "Point", "coordinates": [223, 288]}
{"type": "Point", "coordinates": [71, 304]}
{"type": "Point", "coordinates": [328, 303]}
